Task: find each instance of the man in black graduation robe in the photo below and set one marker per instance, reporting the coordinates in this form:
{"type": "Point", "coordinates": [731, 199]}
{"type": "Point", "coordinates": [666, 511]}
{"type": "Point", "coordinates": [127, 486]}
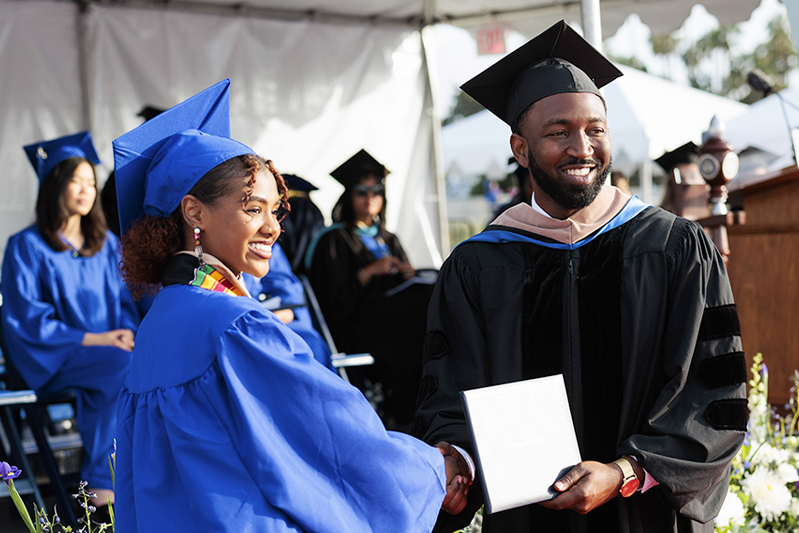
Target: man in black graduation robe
{"type": "Point", "coordinates": [630, 303]}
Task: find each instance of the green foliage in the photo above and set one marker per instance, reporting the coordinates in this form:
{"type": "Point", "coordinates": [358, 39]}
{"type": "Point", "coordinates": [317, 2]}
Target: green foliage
{"type": "Point", "coordinates": [633, 62]}
{"type": "Point", "coordinates": [463, 106]}
{"type": "Point", "coordinates": [477, 523]}
{"type": "Point", "coordinates": [44, 523]}
{"type": "Point", "coordinates": [763, 495]}
{"type": "Point", "coordinates": [664, 44]}
{"type": "Point", "coordinates": [711, 65]}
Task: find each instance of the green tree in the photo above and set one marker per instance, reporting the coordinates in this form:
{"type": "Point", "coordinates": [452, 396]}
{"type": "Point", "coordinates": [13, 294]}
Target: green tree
{"type": "Point", "coordinates": [665, 45]}
{"type": "Point", "coordinates": [463, 106]}
{"type": "Point", "coordinates": [633, 62]}
{"type": "Point", "coordinates": [715, 44]}
{"type": "Point", "coordinates": [776, 58]}
{"type": "Point", "coordinates": [712, 66]}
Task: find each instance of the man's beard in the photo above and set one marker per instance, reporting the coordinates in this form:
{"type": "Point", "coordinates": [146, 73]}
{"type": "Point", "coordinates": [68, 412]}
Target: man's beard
{"type": "Point", "coordinates": [568, 195]}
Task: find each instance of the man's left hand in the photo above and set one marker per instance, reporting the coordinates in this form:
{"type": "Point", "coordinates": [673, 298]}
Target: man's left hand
{"type": "Point", "coordinates": [585, 487]}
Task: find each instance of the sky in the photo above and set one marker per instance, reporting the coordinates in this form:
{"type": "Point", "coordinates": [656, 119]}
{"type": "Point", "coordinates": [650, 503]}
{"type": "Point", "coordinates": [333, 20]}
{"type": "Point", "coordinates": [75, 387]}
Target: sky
{"type": "Point", "coordinates": [457, 60]}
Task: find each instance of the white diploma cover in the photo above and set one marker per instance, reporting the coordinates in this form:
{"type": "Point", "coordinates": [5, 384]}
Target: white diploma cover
{"type": "Point", "coordinates": [523, 438]}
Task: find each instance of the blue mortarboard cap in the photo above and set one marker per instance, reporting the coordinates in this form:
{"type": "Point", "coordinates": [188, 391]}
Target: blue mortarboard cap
{"type": "Point", "coordinates": [45, 155]}
{"type": "Point", "coordinates": [159, 162]}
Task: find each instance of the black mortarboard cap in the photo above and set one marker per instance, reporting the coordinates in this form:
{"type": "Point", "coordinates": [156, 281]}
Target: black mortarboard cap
{"type": "Point", "coordinates": [686, 153]}
{"type": "Point", "coordinates": [557, 61]}
{"type": "Point", "coordinates": [149, 112]}
{"type": "Point", "coordinates": [296, 183]}
{"type": "Point", "coordinates": [351, 170]}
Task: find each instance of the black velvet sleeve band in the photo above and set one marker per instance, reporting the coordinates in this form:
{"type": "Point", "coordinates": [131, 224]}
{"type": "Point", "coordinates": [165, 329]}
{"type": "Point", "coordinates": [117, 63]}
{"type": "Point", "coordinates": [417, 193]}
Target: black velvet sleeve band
{"type": "Point", "coordinates": [719, 322]}
{"type": "Point", "coordinates": [436, 345]}
{"type": "Point", "coordinates": [728, 414]}
{"type": "Point", "coordinates": [723, 370]}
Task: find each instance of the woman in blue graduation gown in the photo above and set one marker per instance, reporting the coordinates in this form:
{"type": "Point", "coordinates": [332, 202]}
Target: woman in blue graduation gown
{"type": "Point", "coordinates": [68, 319]}
{"type": "Point", "coordinates": [281, 283]}
{"type": "Point", "coordinates": [227, 422]}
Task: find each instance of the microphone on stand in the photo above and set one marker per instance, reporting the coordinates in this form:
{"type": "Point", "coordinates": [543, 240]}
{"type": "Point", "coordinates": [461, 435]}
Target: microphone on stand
{"type": "Point", "coordinates": [758, 81]}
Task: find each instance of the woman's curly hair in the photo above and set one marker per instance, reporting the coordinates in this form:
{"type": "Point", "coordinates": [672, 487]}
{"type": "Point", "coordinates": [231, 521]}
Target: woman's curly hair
{"type": "Point", "coordinates": [151, 241]}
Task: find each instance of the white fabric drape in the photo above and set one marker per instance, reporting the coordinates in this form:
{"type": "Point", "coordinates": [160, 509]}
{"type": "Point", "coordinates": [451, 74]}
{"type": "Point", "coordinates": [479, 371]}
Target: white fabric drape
{"type": "Point", "coordinates": [306, 95]}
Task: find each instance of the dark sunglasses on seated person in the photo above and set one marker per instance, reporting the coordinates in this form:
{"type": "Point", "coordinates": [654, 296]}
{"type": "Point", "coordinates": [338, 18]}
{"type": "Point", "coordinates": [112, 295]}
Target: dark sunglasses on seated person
{"type": "Point", "coordinates": [363, 190]}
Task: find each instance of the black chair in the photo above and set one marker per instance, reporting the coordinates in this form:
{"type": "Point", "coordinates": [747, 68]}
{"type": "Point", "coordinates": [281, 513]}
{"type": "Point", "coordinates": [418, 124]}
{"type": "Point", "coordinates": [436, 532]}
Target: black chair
{"type": "Point", "coordinates": [37, 418]}
{"type": "Point", "coordinates": [11, 402]}
{"type": "Point", "coordinates": [341, 361]}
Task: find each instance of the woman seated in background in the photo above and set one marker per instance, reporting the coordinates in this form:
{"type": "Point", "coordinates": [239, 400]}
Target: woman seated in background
{"type": "Point", "coordinates": [68, 318]}
{"type": "Point", "coordinates": [353, 265]}
{"type": "Point", "coordinates": [281, 292]}
{"type": "Point", "coordinates": [226, 420]}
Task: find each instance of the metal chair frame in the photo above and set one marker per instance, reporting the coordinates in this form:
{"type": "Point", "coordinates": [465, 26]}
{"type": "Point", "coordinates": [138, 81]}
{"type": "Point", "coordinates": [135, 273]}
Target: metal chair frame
{"type": "Point", "coordinates": [37, 425]}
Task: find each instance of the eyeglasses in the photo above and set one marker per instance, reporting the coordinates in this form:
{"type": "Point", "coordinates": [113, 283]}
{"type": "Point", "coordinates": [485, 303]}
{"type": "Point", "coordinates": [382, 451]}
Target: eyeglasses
{"type": "Point", "coordinates": [363, 190]}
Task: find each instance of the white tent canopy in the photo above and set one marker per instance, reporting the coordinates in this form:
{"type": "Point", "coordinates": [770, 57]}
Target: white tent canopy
{"type": "Point", "coordinates": [764, 127]}
{"type": "Point", "coordinates": [647, 116]}
{"type": "Point", "coordinates": [529, 17]}
{"type": "Point", "coordinates": [313, 81]}
{"type": "Point", "coordinates": [305, 94]}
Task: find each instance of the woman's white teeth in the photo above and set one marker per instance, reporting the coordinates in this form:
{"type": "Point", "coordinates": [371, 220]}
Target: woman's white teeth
{"type": "Point", "coordinates": [260, 246]}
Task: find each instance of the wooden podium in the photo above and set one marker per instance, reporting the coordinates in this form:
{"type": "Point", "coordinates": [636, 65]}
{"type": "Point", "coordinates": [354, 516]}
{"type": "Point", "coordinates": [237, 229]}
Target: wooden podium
{"type": "Point", "coordinates": [764, 272]}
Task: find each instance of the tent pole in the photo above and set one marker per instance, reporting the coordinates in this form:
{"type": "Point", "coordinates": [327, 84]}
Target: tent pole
{"type": "Point", "coordinates": [426, 34]}
{"type": "Point", "coordinates": [592, 22]}
{"type": "Point", "coordinates": [82, 29]}
{"type": "Point", "coordinates": [646, 182]}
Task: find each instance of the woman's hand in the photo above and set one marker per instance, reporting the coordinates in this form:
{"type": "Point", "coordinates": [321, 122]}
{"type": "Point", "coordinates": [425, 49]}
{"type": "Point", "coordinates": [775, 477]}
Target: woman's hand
{"type": "Point", "coordinates": [383, 267]}
{"type": "Point", "coordinates": [406, 270]}
{"type": "Point", "coordinates": [386, 266]}
{"type": "Point", "coordinates": [285, 315]}
{"type": "Point", "coordinates": [118, 338]}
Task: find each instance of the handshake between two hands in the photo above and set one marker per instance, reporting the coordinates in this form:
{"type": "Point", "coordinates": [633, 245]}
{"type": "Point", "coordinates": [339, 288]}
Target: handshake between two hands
{"type": "Point", "coordinates": [459, 478]}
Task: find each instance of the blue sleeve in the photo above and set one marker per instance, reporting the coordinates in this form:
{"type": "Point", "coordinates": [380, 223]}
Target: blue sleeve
{"type": "Point", "coordinates": [130, 315]}
{"type": "Point", "coordinates": [313, 442]}
{"type": "Point", "coordinates": [29, 320]}
{"type": "Point", "coordinates": [281, 281]}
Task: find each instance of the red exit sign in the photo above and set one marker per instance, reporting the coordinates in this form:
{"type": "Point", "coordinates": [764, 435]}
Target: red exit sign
{"type": "Point", "coordinates": [491, 40]}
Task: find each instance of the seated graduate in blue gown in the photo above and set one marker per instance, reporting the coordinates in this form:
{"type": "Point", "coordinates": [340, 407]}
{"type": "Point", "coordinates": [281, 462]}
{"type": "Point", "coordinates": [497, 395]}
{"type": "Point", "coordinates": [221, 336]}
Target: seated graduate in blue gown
{"type": "Point", "coordinates": [284, 289]}
{"type": "Point", "coordinates": [68, 318]}
{"type": "Point", "coordinates": [226, 420]}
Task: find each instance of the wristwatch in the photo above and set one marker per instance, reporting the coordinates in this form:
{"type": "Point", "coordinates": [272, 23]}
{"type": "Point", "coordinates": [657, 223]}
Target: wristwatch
{"type": "Point", "coordinates": [629, 483]}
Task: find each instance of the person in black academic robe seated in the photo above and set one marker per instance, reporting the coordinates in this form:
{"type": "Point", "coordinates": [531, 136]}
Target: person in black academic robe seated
{"type": "Point", "coordinates": [302, 224]}
{"type": "Point", "coordinates": [353, 265]}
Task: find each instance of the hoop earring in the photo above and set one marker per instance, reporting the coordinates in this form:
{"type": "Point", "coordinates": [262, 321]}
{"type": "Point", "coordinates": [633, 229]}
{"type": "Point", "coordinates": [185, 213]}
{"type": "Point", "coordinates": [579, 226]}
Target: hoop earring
{"type": "Point", "coordinates": [198, 248]}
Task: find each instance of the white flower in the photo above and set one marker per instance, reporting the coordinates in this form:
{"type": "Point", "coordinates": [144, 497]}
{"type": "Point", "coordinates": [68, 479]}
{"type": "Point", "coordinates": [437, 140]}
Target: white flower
{"type": "Point", "coordinates": [732, 512]}
{"type": "Point", "coordinates": [768, 492]}
{"type": "Point", "coordinates": [769, 455]}
{"type": "Point", "coordinates": [795, 507]}
{"type": "Point", "coordinates": [788, 473]}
